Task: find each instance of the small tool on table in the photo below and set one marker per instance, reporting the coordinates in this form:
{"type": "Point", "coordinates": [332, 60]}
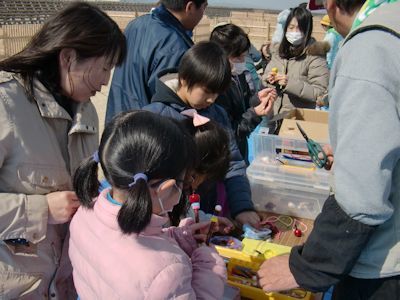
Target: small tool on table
{"type": "Point", "coordinates": [314, 149]}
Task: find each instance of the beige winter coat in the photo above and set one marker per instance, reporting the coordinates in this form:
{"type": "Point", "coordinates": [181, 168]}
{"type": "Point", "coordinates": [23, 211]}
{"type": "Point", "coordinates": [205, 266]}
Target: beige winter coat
{"type": "Point", "coordinates": [308, 77]}
{"type": "Point", "coordinates": [40, 147]}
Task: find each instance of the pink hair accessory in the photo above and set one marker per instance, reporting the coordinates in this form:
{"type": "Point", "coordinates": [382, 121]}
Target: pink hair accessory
{"type": "Point", "coordinates": [198, 120]}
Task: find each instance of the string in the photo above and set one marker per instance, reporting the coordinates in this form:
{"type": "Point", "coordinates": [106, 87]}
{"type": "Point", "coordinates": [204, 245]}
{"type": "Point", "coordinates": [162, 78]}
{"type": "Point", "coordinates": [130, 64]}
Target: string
{"type": "Point", "coordinates": [298, 222]}
{"type": "Point", "coordinates": [287, 221]}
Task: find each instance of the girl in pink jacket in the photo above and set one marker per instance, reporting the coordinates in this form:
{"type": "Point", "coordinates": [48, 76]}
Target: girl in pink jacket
{"type": "Point", "coordinates": [118, 246]}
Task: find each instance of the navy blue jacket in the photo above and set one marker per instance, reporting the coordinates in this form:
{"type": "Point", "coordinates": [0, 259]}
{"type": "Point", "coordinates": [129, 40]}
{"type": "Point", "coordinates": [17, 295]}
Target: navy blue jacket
{"type": "Point", "coordinates": [155, 41]}
{"type": "Point", "coordinates": [167, 103]}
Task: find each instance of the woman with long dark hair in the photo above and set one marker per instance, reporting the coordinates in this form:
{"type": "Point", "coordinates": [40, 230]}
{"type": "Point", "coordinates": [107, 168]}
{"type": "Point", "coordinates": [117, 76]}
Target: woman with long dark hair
{"type": "Point", "coordinates": [298, 67]}
{"type": "Point", "coordinates": [48, 126]}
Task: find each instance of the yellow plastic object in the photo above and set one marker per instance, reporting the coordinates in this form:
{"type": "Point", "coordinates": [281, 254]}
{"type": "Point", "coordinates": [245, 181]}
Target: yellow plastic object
{"type": "Point", "coordinates": [262, 248]}
{"type": "Point", "coordinates": [326, 21]}
{"type": "Point", "coordinates": [274, 70]}
{"type": "Point", "coordinates": [243, 265]}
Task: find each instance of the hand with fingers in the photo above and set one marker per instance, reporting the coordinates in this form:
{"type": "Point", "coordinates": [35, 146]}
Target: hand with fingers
{"type": "Point", "coordinates": [224, 225]}
{"type": "Point", "coordinates": [62, 206]}
{"type": "Point", "coordinates": [267, 98]}
{"type": "Point", "coordinates": [200, 230]}
{"type": "Point", "coordinates": [271, 77]}
{"type": "Point", "coordinates": [329, 156]}
{"type": "Point", "coordinates": [248, 217]}
{"type": "Point", "coordinates": [281, 79]}
{"type": "Point", "coordinates": [274, 274]}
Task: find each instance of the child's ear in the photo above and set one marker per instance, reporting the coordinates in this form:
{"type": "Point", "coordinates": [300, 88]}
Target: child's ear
{"type": "Point", "coordinates": [189, 7]}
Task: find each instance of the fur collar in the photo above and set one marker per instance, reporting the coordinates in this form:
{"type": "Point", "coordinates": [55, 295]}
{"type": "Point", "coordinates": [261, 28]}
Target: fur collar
{"type": "Point", "coordinates": [318, 48]}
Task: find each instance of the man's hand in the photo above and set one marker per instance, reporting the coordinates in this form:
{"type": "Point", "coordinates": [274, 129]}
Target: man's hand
{"type": "Point", "coordinates": [329, 156]}
{"type": "Point", "coordinates": [249, 217]}
{"type": "Point", "coordinates": [274, 274]}
{"type": "Point", "coordinates": [62, 206]}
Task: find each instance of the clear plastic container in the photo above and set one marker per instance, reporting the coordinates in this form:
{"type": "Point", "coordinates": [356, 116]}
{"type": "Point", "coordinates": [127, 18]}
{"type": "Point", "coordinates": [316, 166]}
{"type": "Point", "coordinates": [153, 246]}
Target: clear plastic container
{"type": "Point", "coordinates": [292, 187]}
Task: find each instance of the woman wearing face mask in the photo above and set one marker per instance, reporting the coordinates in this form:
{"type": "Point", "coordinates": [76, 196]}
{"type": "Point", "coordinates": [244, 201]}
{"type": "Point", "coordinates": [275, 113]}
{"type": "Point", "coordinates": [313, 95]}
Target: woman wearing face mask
{"type": "Point", "coordinates": [48, 126]}
{"type": "Point", "coordinates": [298, 67]}
{"type": "Point", "coordinates": [244, 110]}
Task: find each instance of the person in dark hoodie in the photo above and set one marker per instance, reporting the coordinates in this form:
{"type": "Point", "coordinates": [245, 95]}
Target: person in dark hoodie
{"type": "Point", "coordinates": [204, 72]}
{"type": "Point", "coordinates": [244, 108]}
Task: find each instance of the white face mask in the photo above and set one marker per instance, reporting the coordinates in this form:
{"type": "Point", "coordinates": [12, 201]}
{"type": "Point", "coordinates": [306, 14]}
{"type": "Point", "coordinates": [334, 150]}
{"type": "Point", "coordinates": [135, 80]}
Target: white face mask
{"type": "Point", "coordinates": [295, 37]}
{"type": "Point", "coordinates": [170, 193]}
{"type": "Point", "coordinates": [238, 68]}
{"type": "Point", "coordinates": [163, 211]}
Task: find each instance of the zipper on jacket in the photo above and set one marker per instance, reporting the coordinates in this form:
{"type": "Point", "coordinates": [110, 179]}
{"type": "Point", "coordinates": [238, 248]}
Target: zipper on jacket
{"type": "Point", "coordinates": [56, 258]}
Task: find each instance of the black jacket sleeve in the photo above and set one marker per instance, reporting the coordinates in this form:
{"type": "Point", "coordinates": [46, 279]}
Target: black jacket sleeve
{"type": "Point", "coordinates": [331, 250]}
{"type": "Point", "coordinates": [243, 120]}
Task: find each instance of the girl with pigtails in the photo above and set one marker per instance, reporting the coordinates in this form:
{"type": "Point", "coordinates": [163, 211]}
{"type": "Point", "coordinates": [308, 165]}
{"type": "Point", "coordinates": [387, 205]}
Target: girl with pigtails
{"type": "Point", "coordinates": [118, 246]}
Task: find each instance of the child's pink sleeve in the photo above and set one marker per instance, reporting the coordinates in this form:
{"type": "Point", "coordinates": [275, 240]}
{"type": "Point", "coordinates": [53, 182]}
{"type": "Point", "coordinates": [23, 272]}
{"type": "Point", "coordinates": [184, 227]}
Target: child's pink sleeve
{"type": "Point", "coordinates": [209, 273]}
{"type": "Point", "coordinates": [183, 236]}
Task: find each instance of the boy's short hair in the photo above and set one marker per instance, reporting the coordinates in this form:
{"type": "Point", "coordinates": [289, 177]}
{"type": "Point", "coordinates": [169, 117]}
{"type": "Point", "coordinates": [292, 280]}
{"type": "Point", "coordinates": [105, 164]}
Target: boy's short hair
{"type": "Point", "coordinates": [349, 6]}
{"type": "Point", "coordinates": [231, 38]}
{"type": "Point", "coordinates": [179, 5]}
{"type": "Point", "coordinates": [205, 65]}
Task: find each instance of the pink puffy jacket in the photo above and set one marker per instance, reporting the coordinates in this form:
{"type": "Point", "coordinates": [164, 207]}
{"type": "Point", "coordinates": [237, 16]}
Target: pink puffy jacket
{"type": "Point", "coordinates": [156, 264]}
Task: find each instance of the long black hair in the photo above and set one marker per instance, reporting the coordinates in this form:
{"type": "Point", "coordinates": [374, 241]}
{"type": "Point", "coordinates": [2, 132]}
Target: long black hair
{"type": "Point", "coordinates": [135, 142]}
{"type": "Point", "coordinates": [80, 26]}
{"type": "Point", "coordinates": [305, 21]}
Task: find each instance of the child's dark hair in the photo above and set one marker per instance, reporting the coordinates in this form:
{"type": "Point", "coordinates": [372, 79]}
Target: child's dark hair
{"type": "Point", "coordinates": [212, 148]}
{"type": "Point", "coordinates": [135, 142]}
{"type": "Point", "coordinates": [205, 65]}
{"type": "Point", "coordinates": [212, 158]}
{"type": "Point", "coordinates": [268, 45]}
{"type": "Point", "coordinates": [231, 38]}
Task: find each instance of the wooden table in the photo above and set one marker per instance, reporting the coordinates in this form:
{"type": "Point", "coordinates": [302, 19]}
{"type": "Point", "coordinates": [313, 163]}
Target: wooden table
{"type": "Point", "coordinates": [286, 236]}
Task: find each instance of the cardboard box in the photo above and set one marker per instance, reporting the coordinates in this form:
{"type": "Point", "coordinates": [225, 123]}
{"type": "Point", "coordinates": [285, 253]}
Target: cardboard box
{"type": "Point", "coordinates": [310, 115]}
{"type": "Point", "coordinates": [313, 122]}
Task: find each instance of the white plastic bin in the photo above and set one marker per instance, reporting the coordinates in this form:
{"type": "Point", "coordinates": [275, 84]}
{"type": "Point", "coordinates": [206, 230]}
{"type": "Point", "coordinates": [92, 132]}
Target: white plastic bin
{"type": "Point", "coordinates": [296, 188]}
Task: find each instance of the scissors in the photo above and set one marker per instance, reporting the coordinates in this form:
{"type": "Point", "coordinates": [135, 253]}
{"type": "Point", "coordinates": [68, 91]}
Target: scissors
{"type": "Point", "coordinates": [314, 149]}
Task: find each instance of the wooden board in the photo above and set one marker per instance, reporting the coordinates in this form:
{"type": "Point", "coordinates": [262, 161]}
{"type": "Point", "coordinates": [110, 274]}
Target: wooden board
{"type": "Point", "coordinates": [286, 236]}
